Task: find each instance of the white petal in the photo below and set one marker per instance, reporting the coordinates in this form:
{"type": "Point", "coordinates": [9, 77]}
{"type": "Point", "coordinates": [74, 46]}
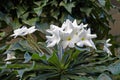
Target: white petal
{"type": "Point", "coordinates": [71, 44]}
{"type": "Point", "coordinates": [20, 32]}
{"type": "Point", "coordinates": [67, 27]}
{"type": "Point", "coordinates": [51, 44]}
{"type": "Point", "coordinates": [90, 36]}
{"type": "Point", "coordinates": [87, 43]}
{"type": "Point", "coordinates": [92, 43]}
{"type": "Point", "coordinates": [75, 23]}
{"type": "Point", "coordinates": [107, 50]}
{"type": "Point", "coordinates": [31, 29]}
{"type": "Point", "coordinates": [80, 43]}
{"type": "Point", "coordinates": [108, 40]}
{"type": "Point", "coordinates": [10, 56]}
{"type": "Point", "coordinates": [65, 44]}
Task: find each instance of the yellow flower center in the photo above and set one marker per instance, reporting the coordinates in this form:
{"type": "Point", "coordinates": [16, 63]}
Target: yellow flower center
{"type": "Point", "coordinates": [83, 39]}
{"type": "Point", "coordinates": [69, 38]}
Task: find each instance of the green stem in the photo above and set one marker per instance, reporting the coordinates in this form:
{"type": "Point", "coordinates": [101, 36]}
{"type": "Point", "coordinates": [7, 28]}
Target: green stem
{"type": "Point", "coordinates": [34, 44]}
{"type": "Point", "coordinates": [60, 52]}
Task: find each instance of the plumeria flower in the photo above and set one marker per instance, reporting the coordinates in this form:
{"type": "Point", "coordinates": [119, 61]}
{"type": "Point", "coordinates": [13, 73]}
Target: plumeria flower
{"type": "Point", "coordinates": [20, 32]}
{"type": "Point", "coordinates": [23, 31]}
{"type": "Point", "coordinates": [69, 34]}
{"type": "Point", "coordinates": [86, 39]}
{"type": "Point", "coordinates": [10, 56]}
{"type": "Point", "coordinates": [78, 27]}
{"type": "Point", "coordinates": [31, 29]}
{"type": "Point", "coordinates": [106, 45]}
{"type": "Point", "coordinates": [67, 27]}
{"type": "Point", "coordinates": [69, 39]}
{"type": "Point", "coordinates": [55, 38]}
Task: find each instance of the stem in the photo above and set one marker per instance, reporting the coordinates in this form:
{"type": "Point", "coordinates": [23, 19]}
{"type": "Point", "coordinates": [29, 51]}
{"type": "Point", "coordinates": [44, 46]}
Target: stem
{"type": "Point", "coordinates": [34, 44]}
{"type": "Point", "coordinates": [60, 52]}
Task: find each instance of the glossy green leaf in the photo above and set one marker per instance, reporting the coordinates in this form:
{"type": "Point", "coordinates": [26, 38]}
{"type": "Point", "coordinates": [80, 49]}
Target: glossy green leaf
{"type": "Point", "coordinates": [67, 6]}
{"type": "Point", "coordinates": [114, 68]}
{"type": "Point", "coordinates": [27, 57]}
{"type": "Point", "coordinates": [102, 2]}
{"type": "Point", "coordinates": [104, 76]}
{"type": "Point", "coordinates": [54, 60]}
{"type": "Point", "coordinates": [38, 10]}
{"type": "Point", "coordinates": [30, 22]}
{"type": "Point", "coordinates": [86, 10]}
{"type": "Point", "coordinates": [22, 71]}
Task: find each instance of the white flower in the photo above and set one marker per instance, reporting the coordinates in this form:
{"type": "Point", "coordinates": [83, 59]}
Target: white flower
{"type": "Point", "coordinates": [20, 32]}
{"type": "Point", "coordinates": [31, 29]}
{"type": "Point", "coordinates": [70, 34]}
{"type": "Point", "coordinates": [106, 45]}
{"type": "Point", "coordinates": [69, 39]}
{"type": "Point", "coordinates": [55, 37]}
{"type": "Point", "coordinates": [78, 27]}
{"type": "Point", "coordinates": [86, 38]}
{"type": "Point", "coordinates": [67, 27]}
{"type": "Point", "coordinates": [23, 31]}
{"type": "Point", "coordinates": [10, 56]}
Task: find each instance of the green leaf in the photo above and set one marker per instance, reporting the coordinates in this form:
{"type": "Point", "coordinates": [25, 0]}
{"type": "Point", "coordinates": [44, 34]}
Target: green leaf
{"type": "Point", "coordinates": [45, 76]}
{"type": "Point", "coordinates": [40, 4]}
{"type": "Point", "coordinates": [102, 2]}
{"type": "Point", "coordinates": [114, 68]}
{"type": "Point", "coordinates": [54, 60]}
{"type": "Point", "coordinates": [22, 71]}
{"type": "Point", "coordinates": [30, 22]}
{"type": "Point", "coordinates": [87, 11]}
{"type": "Point", "coordinates": [35, 56]}
{"type": "Point", "coordinates": [38, 10]}
{"type": "Point", "coordinates": [2, 48]}
{"type": "Point", "coordinates": [27, 57]}
{"type": "Point", "coordinates": [15, 24]}
{"type": "Point", "coordinates": [104, 76]}
{"type": "Point", "coordinates": [67, 6]}
{"type": "Point", "coordinates": [21, 10]}
{"type": "Point", "coordinates": [2, 34]}
{"type": "Point", "coordinates": [42, 27]}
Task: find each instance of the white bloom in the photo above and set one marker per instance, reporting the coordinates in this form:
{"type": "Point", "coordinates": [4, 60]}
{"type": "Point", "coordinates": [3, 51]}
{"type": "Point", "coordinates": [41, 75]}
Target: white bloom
{"type": "Point", "coordinates": [70, 34]}
{"type": "Point", "coordinates": [55, 37]}
{"type": "Point", "coordinates": [31, 29]}
{"type": "Point", "coordinates": [20, 32]}
{"type": "Point", "coordinates": [78, 27]}
{"type": "Point", "coordinates": [106, 45]}
{"type": "Point", "coordinates": [23, 31]}
{"type": "Point", "coordinates": [69, 39]}
{"type": "Point", "coordinates": [67, 27]}
{"type": "Point", "coordinates": [86, 39]}
{"type": "Point", "coordinates": [10, 56]}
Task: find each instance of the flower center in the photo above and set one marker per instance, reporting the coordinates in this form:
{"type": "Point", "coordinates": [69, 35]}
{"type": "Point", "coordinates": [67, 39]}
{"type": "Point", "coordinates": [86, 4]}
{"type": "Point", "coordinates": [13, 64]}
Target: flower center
{"type": "Point", "coordinates": [76, 33]}
{"type": "Point", "coordinates": [83, 39]}
{"type": "Point", "coordinates": [69, 38]}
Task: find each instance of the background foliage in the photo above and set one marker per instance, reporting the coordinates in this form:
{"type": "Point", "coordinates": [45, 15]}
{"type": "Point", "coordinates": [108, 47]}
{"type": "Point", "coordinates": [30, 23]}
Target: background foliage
{"type": "Point", "coordinates": [42, 13]}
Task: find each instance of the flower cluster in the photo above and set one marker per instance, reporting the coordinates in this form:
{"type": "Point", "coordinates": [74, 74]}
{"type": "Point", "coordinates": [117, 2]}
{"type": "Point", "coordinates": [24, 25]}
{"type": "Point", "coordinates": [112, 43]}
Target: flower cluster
{"type": "Point", "coordinates": [23, 31]}
{"type": "Point", "coordinates": [106, 45]}
{"type": "Point", "coordinates": [70, 34]}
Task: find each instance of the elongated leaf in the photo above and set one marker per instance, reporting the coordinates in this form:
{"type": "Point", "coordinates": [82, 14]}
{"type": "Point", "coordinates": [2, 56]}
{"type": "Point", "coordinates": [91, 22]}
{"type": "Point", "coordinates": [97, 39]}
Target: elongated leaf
{"type": "Point", "coordinates": [27, 57]}
{"type": "Point", "coordinates": [54, 60]}
{"type": "Point", "coordinates": [21, 72]}
{"type": "Point", "coordinates": [104, 76]}
{"type": "Point", "coordinates": [102, 2]}
{"type": "Point", "coordinates": [114, 68]}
